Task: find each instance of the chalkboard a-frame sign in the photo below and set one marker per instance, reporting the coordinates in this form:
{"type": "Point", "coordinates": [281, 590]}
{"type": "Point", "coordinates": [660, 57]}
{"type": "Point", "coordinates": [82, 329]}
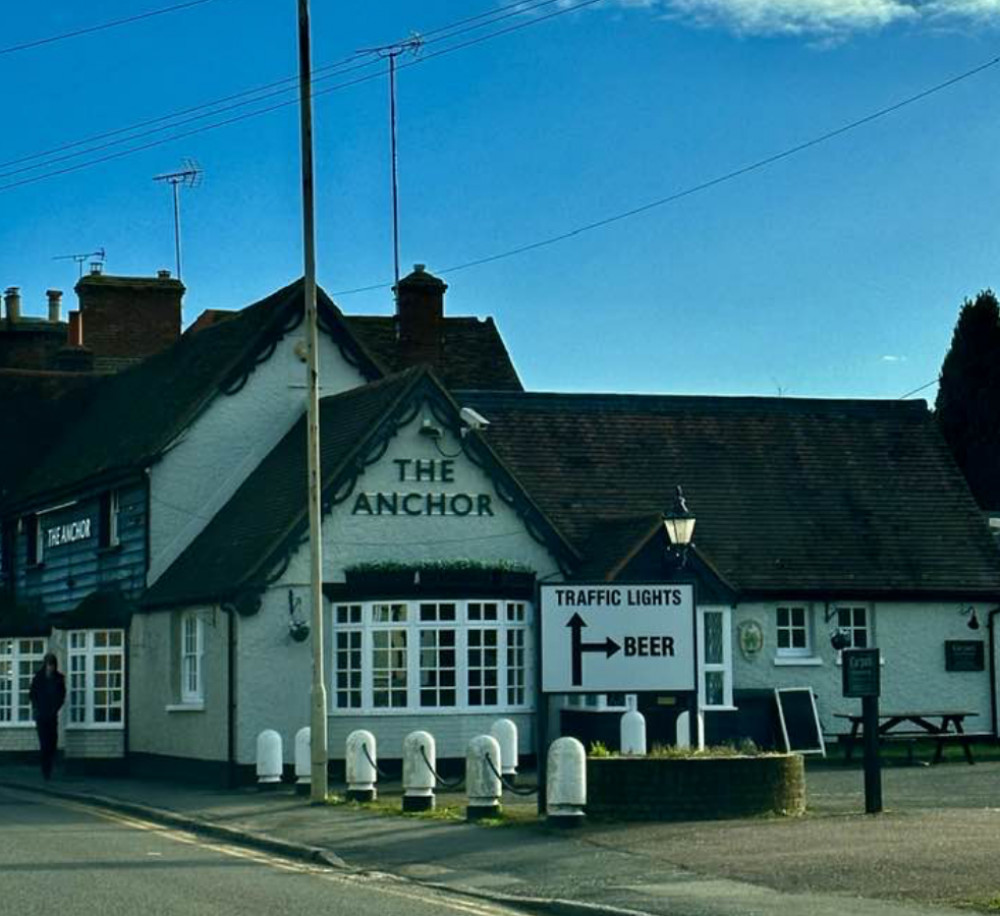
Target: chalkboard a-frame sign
{"type": "Point", "coordinates": [800, 726]}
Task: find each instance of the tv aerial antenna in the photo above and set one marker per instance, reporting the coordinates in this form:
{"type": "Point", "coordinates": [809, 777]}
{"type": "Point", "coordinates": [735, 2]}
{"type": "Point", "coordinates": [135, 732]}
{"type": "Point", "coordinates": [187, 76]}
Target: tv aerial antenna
{"type": "Point", "coordinates": [411, 45]}
{"type": "Point", "coordinates": [188, 176]}
{"type": "Point", "coordinates": [96, 257]}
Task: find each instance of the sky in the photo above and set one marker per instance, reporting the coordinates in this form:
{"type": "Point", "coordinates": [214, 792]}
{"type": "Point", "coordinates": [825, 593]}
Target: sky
{"type": "Point", "coordinates": [835, 271]}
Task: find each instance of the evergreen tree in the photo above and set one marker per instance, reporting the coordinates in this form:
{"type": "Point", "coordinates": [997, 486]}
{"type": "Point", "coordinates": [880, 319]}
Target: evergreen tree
{"type": "Point", "coordinates": [968, 400]}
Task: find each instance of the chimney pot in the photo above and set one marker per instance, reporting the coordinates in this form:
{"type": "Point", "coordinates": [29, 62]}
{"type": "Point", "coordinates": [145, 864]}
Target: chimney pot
{"type": "Point", "coordinates": [55, 304]}
{"type": "Point", "coordinates": [12, 299]}
{"type": "Point", "coordinates": [419, 268]}
{"type": "Point", "coordinates": [75, 338]}
{"type": "Point", "coordinates": [96, 268]}
{"type": "Point", "coordinates": [163, 274]}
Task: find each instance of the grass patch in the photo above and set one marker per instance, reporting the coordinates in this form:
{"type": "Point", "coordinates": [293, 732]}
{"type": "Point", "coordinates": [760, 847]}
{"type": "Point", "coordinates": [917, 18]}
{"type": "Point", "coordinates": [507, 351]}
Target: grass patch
{"type": "Point", "coordinates": [393, 807]}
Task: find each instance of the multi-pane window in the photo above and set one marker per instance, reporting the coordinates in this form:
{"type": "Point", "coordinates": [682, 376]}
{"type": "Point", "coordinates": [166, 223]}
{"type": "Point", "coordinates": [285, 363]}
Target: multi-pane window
{"type": "Point", "coordinates": [482, 667]}
{"type": "Point", "coordinates": [192, 651]}
{"type": "Point", "coordinates": [427, 655]}
{"type": "Point", "coordinates": [715, 638]}
{"type": "Point", "coordinates": [389, 668]}
{"type": "Point", "coordinates": [853, 623]}
{"type": "Point", "coordinates": [19, 660]}
{"type": "Point", "coordinates": [793, 631]}
{"type": "Point", "coordinates": [348, 655]}
{"type": "Point", "coordinates": [96, 677]}
{"type": "Point", "coordinates": [438, 671]}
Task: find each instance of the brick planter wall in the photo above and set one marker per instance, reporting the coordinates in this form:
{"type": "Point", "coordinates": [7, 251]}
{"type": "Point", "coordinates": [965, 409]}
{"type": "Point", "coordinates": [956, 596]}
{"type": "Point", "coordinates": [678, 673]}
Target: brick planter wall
{"type": "Point", "coordinates": [654, 789]}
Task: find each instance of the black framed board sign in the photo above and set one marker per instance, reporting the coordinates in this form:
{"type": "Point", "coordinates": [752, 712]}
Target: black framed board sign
{"type": "Point", "coordinates": [861, 671]}
{"type": "Point", "coordinates": [964, 655]}
{"type": "Point", "coordinates": [799, 719]}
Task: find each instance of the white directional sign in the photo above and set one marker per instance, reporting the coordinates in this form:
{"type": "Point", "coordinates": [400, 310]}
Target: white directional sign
{"type": "Point", "coordinates": [601, 638]}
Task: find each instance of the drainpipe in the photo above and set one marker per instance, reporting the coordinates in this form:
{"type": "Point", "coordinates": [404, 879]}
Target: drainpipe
{"type": "Point", "coordinates": [991, 627]}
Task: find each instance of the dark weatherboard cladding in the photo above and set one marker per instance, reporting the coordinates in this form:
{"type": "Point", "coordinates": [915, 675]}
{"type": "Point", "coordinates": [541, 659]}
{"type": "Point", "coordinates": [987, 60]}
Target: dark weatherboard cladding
{"type": "Point", "coordinates": [97, 542]}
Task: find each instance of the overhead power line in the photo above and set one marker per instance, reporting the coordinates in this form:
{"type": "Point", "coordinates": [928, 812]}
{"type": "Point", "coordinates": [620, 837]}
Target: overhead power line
{"type": "Point", "coordinates": [252, 96]}
{"type": "Point", "coordinates": [114, 23]}
{"type": "Point", "coordinates": [452, 30]}
{"type": "Point", "coordinates": [908, 394]}
{"type": "Point", "coordinates": [704, 185]}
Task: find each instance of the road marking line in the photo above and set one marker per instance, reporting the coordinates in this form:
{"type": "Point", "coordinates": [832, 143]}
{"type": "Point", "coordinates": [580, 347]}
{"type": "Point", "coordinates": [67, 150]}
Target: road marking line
{"type": "Point", "coordinates": [376, 883]}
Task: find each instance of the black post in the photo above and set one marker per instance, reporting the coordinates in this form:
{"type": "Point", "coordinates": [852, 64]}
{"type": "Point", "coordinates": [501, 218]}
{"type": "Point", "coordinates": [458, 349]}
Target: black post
{"type": "Point", "coordinates": [541, 710]}
{"type": "Point", "coordinates": [873, 766]}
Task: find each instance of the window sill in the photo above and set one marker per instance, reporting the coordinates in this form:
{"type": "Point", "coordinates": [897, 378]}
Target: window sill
{"type": "Point", "coordinates": [25, 725]}
{"type": "Point", "coordinates": [95, 727]}
{"type": "Point", "coordinates": [720, 709]}
{"type": "Point", "coordinates": [798, 661]}
{"type": "Point", "coordinates": [186, 707]}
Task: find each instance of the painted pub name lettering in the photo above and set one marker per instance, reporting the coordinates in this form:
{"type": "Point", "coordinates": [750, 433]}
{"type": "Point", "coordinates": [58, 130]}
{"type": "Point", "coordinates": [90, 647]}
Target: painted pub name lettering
{"type": "Point", "coordinates": [423, 470]}
{"type": "Point", "coordinates": [68, 533]}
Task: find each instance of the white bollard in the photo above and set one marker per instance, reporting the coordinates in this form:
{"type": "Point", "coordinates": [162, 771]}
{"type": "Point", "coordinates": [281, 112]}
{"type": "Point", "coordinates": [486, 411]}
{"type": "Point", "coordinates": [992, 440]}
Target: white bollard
{"type": "Point", "coordinates": [505, 733]}
{"type": "Point", "coordinates": [303, 761]}
{"type": "Point", "coordinates": [482, 785]}
{"type": "Point", "coordinates": [566, 783]}
{"type": "Point", "coordinates": [418, 773]}
{"type": "Point", "coordinates": [684, 730]}
{"type": "Point", "coordinates": [269, 761]}
{"type": "Point", "coordinates": [360, 765]}
{"type": "Point", "coordinates": [633, 734]}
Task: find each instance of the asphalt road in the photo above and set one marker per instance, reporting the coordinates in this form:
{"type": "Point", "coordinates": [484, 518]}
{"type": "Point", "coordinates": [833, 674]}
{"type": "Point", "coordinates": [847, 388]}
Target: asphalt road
{"type": "Point", "coordinates": [62, 858]}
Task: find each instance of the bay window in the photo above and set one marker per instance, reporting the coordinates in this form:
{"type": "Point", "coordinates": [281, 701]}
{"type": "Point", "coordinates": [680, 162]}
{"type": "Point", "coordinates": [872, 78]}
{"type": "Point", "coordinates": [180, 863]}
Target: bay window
{"type": "Point", "coordinates": [424, 655]}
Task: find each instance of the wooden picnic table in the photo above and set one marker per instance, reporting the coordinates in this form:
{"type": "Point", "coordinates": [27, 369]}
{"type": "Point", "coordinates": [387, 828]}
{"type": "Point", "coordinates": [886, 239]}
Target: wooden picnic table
{"type": "Point", "coordinates": [940, 724]}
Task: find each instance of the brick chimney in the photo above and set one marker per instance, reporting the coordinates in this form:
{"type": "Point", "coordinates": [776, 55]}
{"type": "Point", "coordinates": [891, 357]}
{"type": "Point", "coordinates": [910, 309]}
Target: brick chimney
{"type": "Point", "coordinates": [74, 356]}
{"type": "Point", "coordinates": [129, 318]}
{"type": "Point", "coordinates": [420, 317]}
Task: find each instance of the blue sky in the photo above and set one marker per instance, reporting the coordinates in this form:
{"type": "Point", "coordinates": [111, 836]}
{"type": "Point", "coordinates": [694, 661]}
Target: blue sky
{"type": "Point", "coordinates": [837, 272]}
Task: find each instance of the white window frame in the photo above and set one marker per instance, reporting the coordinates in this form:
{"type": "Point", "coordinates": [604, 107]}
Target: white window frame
{"type": "Point", "coordinates": [108, 539]}
{"type": "Point", "coordinates": [192, 655]}
{"type": "Point", "coordinates": [17, 652]}
{"type": "Point", "coordinates": [793, 653]}
{"type": "Point", "coordinates": [723, 667]}
{"type": "Point", "coordinates": [513, 615]}
{"type": "Point", "coordinates": [82, 674]}
{"type": "Point", "coordinates": [851, 630]}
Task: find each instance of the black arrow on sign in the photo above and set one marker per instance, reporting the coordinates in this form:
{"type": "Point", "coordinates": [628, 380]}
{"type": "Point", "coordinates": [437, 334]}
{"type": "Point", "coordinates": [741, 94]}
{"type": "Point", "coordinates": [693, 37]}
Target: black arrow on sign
{"type": "Point", "coordinates": [609, 647]}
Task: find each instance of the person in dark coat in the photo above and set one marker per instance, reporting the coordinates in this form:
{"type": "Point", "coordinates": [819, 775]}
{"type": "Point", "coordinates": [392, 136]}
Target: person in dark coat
{"type": "Point", "coordinates": [48, 693]}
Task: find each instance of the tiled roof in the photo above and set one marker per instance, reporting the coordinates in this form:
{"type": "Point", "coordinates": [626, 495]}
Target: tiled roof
{"type": "Point", "coordinates": [34, 408]}
{"type": "Point", "coordinates": [791, 495]}
{"type": "Point", "coordinates": [473, 354]}
{"type": "Point", "coordinates": [132, 416]}
{"type": "Point", "coordinates": [267, 516]}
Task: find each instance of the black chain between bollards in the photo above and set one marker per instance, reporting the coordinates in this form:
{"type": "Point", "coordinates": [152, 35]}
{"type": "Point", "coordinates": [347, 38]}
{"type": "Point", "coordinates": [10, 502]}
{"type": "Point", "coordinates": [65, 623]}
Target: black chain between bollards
{"type": "Point", "coordinates": [368, 757]}
{"type": "Point", "coordinates": [506, 783]}
{"type": "Point", "coordinates": [443, 782]}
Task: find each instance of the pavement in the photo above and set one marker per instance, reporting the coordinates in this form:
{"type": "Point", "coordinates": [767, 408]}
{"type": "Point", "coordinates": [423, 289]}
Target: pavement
{"type": "Point", "coordinates": [935, 850]}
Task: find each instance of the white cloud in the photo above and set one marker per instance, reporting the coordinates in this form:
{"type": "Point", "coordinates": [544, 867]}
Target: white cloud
{"type": "Point", "coordinates": [793, 17]}
{"type": "Point", "coordinates": [829, 19]}
{"type": "Point", "coordinates": [889, 358]}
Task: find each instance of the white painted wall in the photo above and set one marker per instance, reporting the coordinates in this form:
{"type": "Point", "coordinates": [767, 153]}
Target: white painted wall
{"type": "Point", "coordinates": [352, 539]}
{"type": "Point", "coordinates": [911, 638]}
{"type": "Point", "coordinates": [159, 724]}
{"type": "Point", "coordinates": [205, 466]}
{"type": "Point", "coordinates": [275, 673]}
